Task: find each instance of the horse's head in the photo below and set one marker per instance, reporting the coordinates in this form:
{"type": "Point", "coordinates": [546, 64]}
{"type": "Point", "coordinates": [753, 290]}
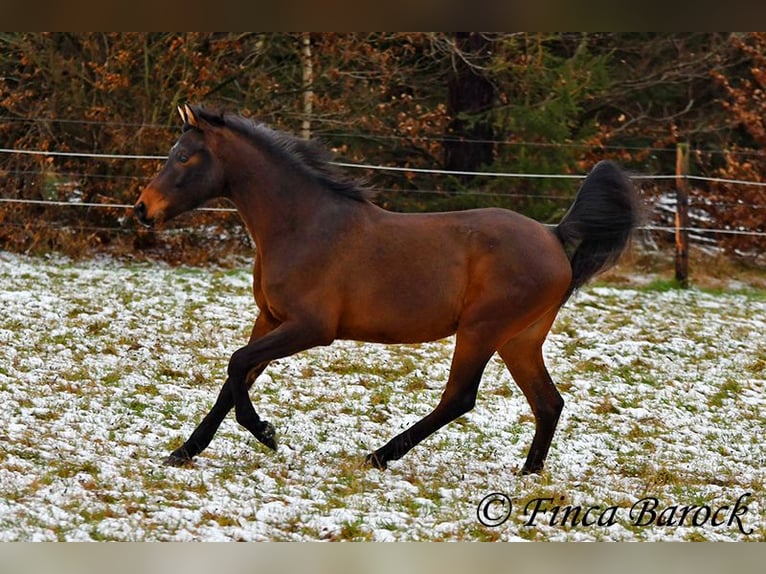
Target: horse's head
{"type": "Point", "coordinates": [191, 176]}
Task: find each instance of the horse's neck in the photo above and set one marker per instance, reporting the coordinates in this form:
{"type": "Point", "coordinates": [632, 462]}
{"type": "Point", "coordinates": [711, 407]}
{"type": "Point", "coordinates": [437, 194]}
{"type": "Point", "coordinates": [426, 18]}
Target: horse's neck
{"type": "Point", "coordinates": [277, 207]}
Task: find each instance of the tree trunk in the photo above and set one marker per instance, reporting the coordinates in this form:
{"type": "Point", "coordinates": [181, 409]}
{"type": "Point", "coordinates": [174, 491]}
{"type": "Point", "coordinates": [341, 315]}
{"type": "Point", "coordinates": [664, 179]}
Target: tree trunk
{"type": "Point", "coordinates": [470, 94]}
{"type": "Point", "coordinates": [308, 85]}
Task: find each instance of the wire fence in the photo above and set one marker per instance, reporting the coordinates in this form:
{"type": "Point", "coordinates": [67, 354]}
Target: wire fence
{"type": "Point", "coordinates": [399, 137]}
{"type": "Point", "coordinates": [75, 203]}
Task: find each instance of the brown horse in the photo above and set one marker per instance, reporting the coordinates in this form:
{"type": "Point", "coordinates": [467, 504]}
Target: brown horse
{"type": "Point", "coordinates": [332, 265]}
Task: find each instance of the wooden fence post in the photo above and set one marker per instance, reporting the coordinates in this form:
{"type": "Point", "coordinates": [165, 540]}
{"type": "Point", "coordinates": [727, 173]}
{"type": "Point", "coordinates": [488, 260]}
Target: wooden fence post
{"type": "Point", "coordinates": [682, 215]}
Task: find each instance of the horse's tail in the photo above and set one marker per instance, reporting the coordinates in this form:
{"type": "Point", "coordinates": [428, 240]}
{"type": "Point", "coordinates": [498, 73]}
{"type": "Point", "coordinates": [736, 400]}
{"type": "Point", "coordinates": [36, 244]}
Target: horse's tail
{"type": "Point", "coordinates": [596, 229]}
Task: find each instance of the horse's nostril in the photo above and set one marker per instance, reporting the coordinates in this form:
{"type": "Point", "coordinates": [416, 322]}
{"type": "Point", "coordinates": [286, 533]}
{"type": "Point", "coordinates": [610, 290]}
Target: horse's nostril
{"type": "Point", "coordinates": [140, 210]}
{"type": "Point", "coordinates": [142, 214]}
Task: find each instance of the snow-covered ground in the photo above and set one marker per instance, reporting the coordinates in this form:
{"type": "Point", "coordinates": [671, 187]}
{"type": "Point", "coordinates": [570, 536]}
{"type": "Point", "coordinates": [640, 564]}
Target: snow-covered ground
{"type": "Point", "coordinates": [106, 367]}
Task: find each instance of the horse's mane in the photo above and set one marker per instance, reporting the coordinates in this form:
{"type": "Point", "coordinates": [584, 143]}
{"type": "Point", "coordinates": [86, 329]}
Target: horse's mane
{"type": "Point", "coordinates": [308, 156]}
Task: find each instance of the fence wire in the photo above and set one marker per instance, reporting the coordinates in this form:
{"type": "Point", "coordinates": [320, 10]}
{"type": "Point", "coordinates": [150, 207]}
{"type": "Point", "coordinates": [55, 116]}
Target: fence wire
{"type": "Point", "coordinates": [375, 167]}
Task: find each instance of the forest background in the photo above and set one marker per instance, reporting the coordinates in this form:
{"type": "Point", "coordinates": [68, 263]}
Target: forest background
{"type": "Point", "coordinates": [520, 103]}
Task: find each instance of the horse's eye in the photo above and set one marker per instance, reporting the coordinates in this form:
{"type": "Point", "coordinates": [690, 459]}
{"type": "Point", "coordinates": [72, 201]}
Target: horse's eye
{"type": "Point", "coordinates": [183, 157]}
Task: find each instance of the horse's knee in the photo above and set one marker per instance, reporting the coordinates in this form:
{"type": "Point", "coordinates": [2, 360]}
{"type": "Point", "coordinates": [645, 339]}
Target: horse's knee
{"type": "Point", "coordinates": [238, 365]}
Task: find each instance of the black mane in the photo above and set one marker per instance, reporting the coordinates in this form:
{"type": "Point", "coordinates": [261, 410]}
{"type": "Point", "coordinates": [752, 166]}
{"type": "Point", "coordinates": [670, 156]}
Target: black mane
{"type": "Point", "coordinates": [308, 156]}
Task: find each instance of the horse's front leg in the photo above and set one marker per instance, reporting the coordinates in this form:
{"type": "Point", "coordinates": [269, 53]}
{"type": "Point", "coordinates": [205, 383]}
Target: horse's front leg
{"type": "Point", "coordinates": [287, 339]}
{"type": "Point", "coordinates": [205, 431]}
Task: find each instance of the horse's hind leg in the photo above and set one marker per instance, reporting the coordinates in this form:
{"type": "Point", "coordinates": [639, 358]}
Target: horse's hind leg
{"type": "Point", "coordinates": [458, 398]}
{"type": "Point", "coordinates": [205, 431]}
{"type": "Point", "coordinates": [523, 356]}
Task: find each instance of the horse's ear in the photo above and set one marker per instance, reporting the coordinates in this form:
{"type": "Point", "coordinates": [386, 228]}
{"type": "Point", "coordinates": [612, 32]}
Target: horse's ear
{"type": "Point", "coordinates": [187, 116]}
{"type": "Point", "coordinates": [190, 118]}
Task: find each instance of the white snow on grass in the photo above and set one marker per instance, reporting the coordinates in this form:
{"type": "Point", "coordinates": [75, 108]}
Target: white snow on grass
{"type": "Point", "coordinates": [105, 367]}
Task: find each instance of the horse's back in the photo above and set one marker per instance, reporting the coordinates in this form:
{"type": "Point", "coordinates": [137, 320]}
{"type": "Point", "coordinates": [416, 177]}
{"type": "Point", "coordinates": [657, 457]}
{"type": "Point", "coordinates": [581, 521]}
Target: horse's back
{"type": "Point", "coordinates": [500, 242]}
{"type": "Point", "coordinates": [410, 277]}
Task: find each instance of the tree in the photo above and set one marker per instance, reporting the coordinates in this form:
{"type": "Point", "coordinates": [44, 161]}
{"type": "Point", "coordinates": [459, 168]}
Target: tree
{"type": "Point", "coordinates": [520, 102]}
{"type": "Point", "coordinates": [470, 95]}
{"type": "Point", "coordinates": [743, 207]}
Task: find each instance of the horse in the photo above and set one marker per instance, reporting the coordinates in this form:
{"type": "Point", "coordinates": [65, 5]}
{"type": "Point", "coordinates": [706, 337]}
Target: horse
{"type": "Point", "coordinates": [330, 264]}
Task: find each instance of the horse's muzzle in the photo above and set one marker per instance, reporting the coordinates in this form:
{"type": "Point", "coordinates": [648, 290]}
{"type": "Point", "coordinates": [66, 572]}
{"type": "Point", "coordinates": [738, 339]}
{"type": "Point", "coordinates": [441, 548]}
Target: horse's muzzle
{"type": "Point", "coordinates": [141, 214]}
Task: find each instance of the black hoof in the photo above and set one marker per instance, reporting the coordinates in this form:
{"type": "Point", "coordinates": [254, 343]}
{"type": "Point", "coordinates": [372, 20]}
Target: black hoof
{"type": "Point", "coordinates": [178, 458]}
{"type": "Point", "coordinates": [375, 461]}
{"type": "Point", "coordinates": [268, 435]}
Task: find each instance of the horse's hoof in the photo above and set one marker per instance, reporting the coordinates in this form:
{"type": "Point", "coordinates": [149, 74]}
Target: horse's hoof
{"type": "Point", "coordinates": [268, 435]}
{"type": "Point", "coordinates": [178, 459]}
{"type": "Point", "coordinates": [375, 461]}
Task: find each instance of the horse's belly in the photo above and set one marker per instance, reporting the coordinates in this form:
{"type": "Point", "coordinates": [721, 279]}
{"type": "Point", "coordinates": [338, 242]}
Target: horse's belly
{"type": "Point", "coordinates": [392, 333]}
{"type": "Point", "coordinates": [400, 317]}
